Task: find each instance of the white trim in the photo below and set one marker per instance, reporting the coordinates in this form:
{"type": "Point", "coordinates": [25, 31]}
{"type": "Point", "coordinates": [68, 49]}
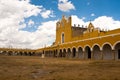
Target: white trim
{"type": "Point", "coordinates": [73, 47]}
{"type": "Point", "coordinates": [115, 44]}
{"type": "Point", "coordinates": [64, 49]}
{"type": "Point", "coordinates": [108, 44]}
{"type": "Point", "coordinates": [69, 48]}
{"type": "Point", "coordinates": [79, 47]}
{"type": "Point", "coordinates": [86, 46]}
{"type": "Point", "coordinates": [96, 44]}
{"type": "Point", "coordinates": [92, 38]}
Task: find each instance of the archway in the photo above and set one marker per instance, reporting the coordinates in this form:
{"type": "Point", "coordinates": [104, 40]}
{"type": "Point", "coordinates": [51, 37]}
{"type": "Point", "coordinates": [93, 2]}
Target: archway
{"type": "Point", "coordinates": [55, 53]}
{"type": "Point", "coordinates": [60, 53]}
{"type": "Point", "coordinates": [10, 52]}
{"type": "Point", "coordinates": [80, 53]}
{"type": "Point", "coordinates": [88, 52]}
{"type": "Point", "coordinates": [4, 52]}
{"type": "Point", "coordinates": [117, 50]}
{"type": "Point", "coordinates": [107, 52]}
{"type": "Point", "coordinates": [68, 52]}
{"type": "Point", "coordinates": [73, 52]}
{"type": "Point", "coordinates": [30, 54]}
{"type": "Point", "coordinates": [96, 52]}
{"type": "Point", "coordinates": [64, 52]}
{"type": "Point", "coordinates": [25, 53]}
{"type": "Point", "coordinates": [21, 53]}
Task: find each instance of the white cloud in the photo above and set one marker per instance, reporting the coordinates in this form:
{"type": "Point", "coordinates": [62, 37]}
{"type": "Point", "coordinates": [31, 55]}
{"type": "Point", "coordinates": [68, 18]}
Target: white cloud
{"type": "Point", "coordinates": [76, 21]}
{"type": "Point", "coordinates": [12, 20]}
{"type": "Point", "coordinates": [31, 22]}
{"type": "Point", "coordinates": [65, 5]}
{"type": "Point", "coordinates": [103, 22]}
{"type": "Point", "coordinates": [92, 14]}
{"type": "Point", "coordinates": [47, 14]}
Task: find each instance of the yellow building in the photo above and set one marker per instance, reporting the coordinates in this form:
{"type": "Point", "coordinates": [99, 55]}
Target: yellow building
{"type": "Point", "coordinates": [83, 43]}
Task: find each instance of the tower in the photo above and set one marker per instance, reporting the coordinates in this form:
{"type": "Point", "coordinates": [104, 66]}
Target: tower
{"type": "Point", "coordinates": [63, 30]}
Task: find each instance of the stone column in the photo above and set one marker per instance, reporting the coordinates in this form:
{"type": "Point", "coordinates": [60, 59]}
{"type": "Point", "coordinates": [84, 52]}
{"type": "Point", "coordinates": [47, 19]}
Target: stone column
{"type": "Point", "coordinates": [101, 52]}
{"type": "Point", "coordinates": [92, 55]}
{"type": "Point", "coordinates": [84, 55]}
{"type": "Point", "coordinates": [76, 56]}
{"type": "Point", "coordinates": [113, 54]}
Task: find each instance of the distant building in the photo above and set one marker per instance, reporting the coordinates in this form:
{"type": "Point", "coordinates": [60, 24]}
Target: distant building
{"type": "Point", "coordinates": [83, 42]}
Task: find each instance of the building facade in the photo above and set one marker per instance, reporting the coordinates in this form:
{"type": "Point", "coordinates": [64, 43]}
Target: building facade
{"type": "Point", "coordinates": [83, 42]}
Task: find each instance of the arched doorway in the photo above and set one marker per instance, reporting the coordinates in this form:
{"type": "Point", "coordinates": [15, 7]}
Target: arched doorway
{"type": "Point", "coordinates": [80, 53]}
{"type": "Point", "coordinates": [64, 52]}
{"type": "Point", "coordinates": [88, 52]}
{"type": "Point", "coordinates": [30, 54]}
{"type": "Point", "coordinates": [117, 50]}
{"type": "Point", "coordinates": [96, 52]}
{"type": "Point", "coordinates": [10, 52]}
{"type": "Point", "coordinates": [68, 52]}
{"type": "Point", "coordinates": [54, 53]}
{"type": "Point", "coordinates": [60, 53]}
{"type": "Point", "coordinates": [25, 53]}
{"type": "Point", "coordinates": [73, 52]}
{"type": "Point", "coordinates": [107, 52]}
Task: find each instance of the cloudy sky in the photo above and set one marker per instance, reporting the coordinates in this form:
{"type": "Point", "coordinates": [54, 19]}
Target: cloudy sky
{"type": "Point", "coordinates": [31, 23]}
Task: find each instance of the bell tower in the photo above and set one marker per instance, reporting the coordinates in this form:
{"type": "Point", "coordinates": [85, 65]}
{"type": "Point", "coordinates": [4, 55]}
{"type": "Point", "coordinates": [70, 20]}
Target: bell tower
{"type": "Point", "coordinates": [63, 30]}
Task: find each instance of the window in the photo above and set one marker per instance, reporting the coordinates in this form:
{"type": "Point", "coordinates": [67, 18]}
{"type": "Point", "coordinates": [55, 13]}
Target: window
{"type": "Point", "coordinates": [62, 38]}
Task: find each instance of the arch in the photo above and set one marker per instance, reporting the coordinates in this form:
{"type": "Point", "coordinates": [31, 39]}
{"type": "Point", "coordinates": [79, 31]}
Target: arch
{"type": "Point", "coordinates": [73, 52]}
{"type": "Point", "coordinates": [21, 53]}
{"type": "Point", "coordinates": [30, 53]}
{"type": "Point", "coordinates": [87, 46]}
{"type": "Point", "coordinates": [87, 52]}
{"type": "Point", "coordinates": [107, 51]}
{"type": "Point", "coordinates": [80, 53]}
{"type": "Point", "coordinates": [64, 52]}
{"type": "Point", "coordinates": [25, 53]}
{"type": "Point", "coordinates": [4, 52]}
{"type": "Point", "coordinates": [114, 45]}
{"type": "Point", "coordinates": [60, 53]}
{"type": "Point", "coordinates": [96, 52]}
{"type": "Point", "coordinates": [117, 50]}
{"type": "Point", "coordinates": [96, 44]}
{"type": "Point", "coordinates": [10, 52]}
{"type": "Point", "coordinates": [54, 53]}
{"type": "Point", "coordinates": [108, 44]}
{"type": "Point", "coordinates": [68, 52]}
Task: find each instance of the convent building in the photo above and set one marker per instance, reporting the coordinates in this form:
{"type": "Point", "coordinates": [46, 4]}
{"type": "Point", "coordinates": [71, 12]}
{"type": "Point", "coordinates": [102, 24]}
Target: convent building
{"type": "Point", "coordinates": [83, 42]}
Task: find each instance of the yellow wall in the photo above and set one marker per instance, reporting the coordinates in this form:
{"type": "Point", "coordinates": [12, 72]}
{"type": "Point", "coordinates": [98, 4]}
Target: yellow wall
{"type": "Point", "coordinates": [95, 37]}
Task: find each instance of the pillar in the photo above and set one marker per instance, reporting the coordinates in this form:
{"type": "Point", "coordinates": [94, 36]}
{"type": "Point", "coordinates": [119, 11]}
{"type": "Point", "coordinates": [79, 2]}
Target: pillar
{"type": "Point", "coordinates": [101, 52]}
{"type": "Point", "coordinates": [113, 54]}
{"type": "Point", "coordinates": [92, 55]}
{"type": "Point", "coordinates": [84, 55]}
{"type": "Point", "coordinates": [77, 54]}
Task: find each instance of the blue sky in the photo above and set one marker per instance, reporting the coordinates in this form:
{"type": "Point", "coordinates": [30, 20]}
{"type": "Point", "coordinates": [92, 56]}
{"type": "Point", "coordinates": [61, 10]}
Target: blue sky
{"type": "Point", "coordinates": [89, 9]}
{"type": "Point", "coordinates": [32, 23]}
{"type": "Point", "coordinates": [84, 8]}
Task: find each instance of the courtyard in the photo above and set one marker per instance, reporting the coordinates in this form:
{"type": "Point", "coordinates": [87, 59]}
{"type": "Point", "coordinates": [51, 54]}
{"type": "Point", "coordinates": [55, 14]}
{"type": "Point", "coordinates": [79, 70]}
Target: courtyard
{"type": "Point", "coordinates": [37, 68]}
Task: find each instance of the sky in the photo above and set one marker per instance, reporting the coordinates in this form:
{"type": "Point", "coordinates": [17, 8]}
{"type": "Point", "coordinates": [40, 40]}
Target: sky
{"type": "Point", "coordinates": [32, 23]}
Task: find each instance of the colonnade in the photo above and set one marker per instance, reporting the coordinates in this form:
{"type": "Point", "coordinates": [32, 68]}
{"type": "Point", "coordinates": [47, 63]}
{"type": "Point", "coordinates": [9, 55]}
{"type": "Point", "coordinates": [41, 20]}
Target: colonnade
{"type": "Point", "coordinates": [97, 52]}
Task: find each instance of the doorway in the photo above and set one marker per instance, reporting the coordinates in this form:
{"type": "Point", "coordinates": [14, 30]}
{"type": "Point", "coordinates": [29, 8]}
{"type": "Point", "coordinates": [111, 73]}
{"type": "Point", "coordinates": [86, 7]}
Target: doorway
{"type": "Point", "coordinates": [89, 53]}
{"type": "Point", "coordinates": [119, 54]}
